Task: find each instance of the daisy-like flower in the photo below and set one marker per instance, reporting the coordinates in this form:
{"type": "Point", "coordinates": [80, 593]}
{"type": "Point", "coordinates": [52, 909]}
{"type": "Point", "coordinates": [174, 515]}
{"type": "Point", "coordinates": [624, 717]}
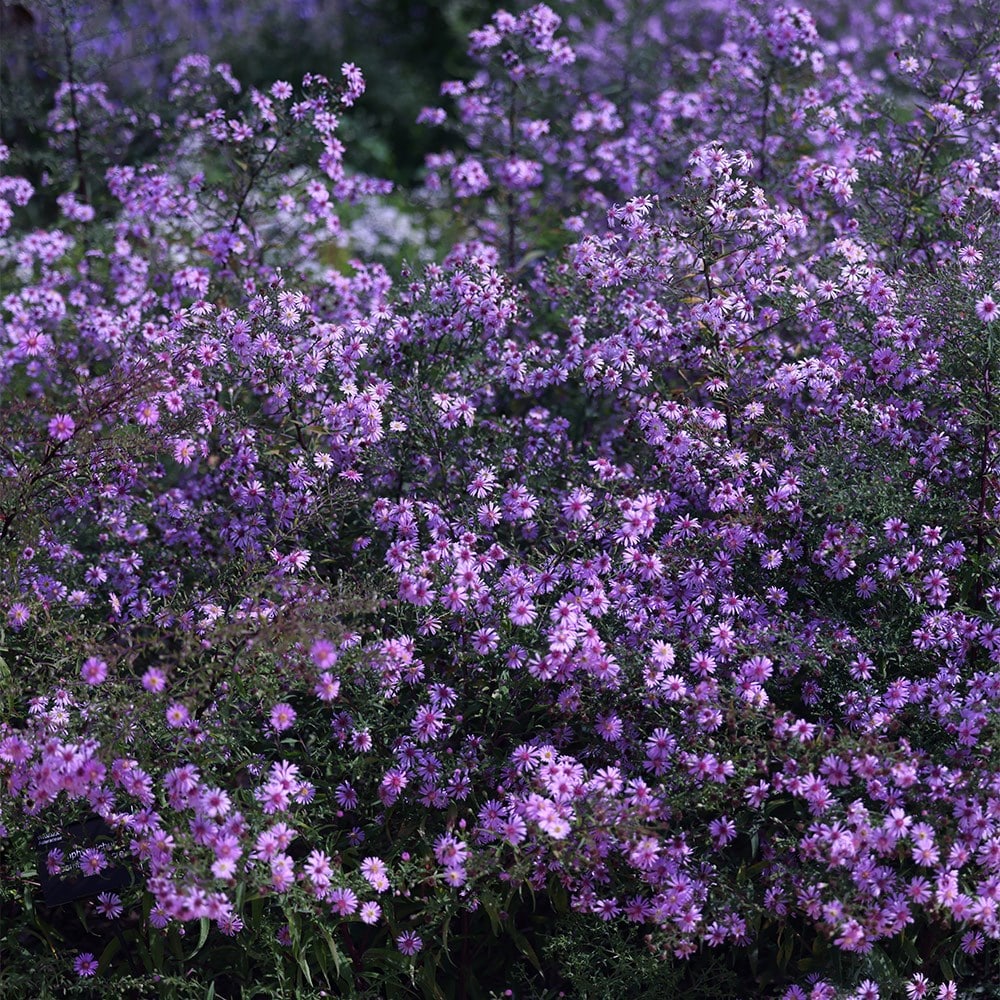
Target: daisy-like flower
{"type": "Point", "coordinates": [343, 902]}
{"type": "Point", "coordinates": [455, 877]}
{"type": "Point", "coordinates": [154, 680]}
{"type": "Point", "coordinates": [282, 717]}
{"type": "Point", "coordinates": [987, 309]}
{"type": "Point", "coordinates": [409, 942]}
{"type": "Point", "coordinates": [177, 716]}
{"type": "Point", "coordinates": [92, 861]}
{"type": "Point", "coordinates": [327, 687]}
{"type": "Point", "coordinates": [94, 670]}
{"type": "Point", "coordinates": [61, 428]}
{"type": "Point", "coordinates": [109, 905]}
{"type": "Point", "coordinates": [18, 616]}
{"type": "Point", "coordinates": [375, 872]}
{"type": "Point", "coordinates": [323, 653]}
{"type": "Point", "coordinates": [85, 964]}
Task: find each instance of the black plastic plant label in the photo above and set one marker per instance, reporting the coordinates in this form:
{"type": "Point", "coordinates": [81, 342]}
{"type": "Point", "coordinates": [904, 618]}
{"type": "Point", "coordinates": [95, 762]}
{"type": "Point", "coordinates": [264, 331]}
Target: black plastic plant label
{"type": "Point", "coordinates": [81, 860]}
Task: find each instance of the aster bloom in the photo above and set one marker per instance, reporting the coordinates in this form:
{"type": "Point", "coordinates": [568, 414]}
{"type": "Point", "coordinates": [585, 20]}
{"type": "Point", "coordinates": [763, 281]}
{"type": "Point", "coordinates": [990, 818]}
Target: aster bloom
{"type": "Point", "coordinates": [346, 796]}
{"type": "Point", "coordinates": [343, 902]}
{"type": "Point", "coordinates": [449, 850]}
{"type": "Point", "coordinates": [409, 942]}
{"type": "Point", "coordinates": [94, 670]}
{"type": "Point", "coordinates": [282, 717]}
{"type": "Point", "coordinates": [375, 873]}
{"type": "Point", "coordinates": [327, 687]}
{"type": "Point", "coordinates": [109, 905]}
{"type": "Point", "coordinates": [18, 615]}
{"type": "Point", "coordinates": [177, 715]}
{"type": "Point", "coordinates": [154, 680]}
{"type": "Point", "coordinates": [61, 427]}
{"type": "Point", "coordinates": [92, 861]}
{"type": "Point", "coordinates": [85, 965]}
{"type": "Point", "coordinates": [987, 309]}
{"type": "Point", "coordinates": [213, 802]}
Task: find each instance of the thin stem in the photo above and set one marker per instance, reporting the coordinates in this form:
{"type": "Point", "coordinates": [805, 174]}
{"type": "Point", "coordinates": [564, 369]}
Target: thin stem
{"type": "Point", "coordinates": [511, 217]}
{"type": "Point", "coordinates": [707, 274]}
{"type": "Point", "coordinates": [768, 77]}
{"type": "Point", "coordinates": [984, 483]}
{"type": "Point", "coordinates": [74, 111]}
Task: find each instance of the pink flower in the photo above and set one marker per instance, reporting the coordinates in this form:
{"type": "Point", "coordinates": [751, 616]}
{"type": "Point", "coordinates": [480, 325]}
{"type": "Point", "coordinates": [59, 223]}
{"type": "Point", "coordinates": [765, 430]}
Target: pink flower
{"type": "Point", "coordinates": [455, 877]}
{"type": "Point", "coordinates": [323, 653]}
{"type": "Point", "coordinates": [327, 687]}
{"type": "Point", "coordinates": [375, 872]}
{"type": "Point", "coordinates": [343, 902]}
{"type": "Point", "coordinates": [282, 717]}
{"type": "Point", "coordinates": [986, 309]}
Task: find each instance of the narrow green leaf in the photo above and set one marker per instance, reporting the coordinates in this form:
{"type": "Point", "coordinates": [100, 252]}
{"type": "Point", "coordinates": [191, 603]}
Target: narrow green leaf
{"type": "Point", "coordinates": [205, 926]}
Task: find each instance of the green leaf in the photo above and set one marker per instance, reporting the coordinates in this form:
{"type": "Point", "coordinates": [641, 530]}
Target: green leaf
{"type": "Point", "coordinates": [947, 969]}
{"type": "Point", "coordinates": [338, 957]}
{"type": "Point", "coordinates": [909, 949]}
{"type": "Point", "coordinates": [173, 938]}
{"type": "Point", "coordinates": [205, 926]}
{"type": "Point", "coordinates": [524, 947]}
{"type": "Point", "coordinates": [112, 949]}
{"type": "Point", "coordinates": [493, 912]}
{"type": "Point", "coordinates": [156, 951]}
{"type": "Point", "coordinates": [428, 979]}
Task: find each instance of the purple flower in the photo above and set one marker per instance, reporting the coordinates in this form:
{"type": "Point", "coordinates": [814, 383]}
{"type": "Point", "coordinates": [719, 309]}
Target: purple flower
{"type": "Point", "coordinates": [94, 670]}
{"type": "Point", "coordinates": [343, 902]}
{"type": "Point", "coordinates": [18, 616]}
{"type": "Point", "coordinates": [409, 942]}
{"type": "Point", "coordinates": [282, 717]}
{"type": "Point", "coordinates": [987, 309]}
{"type": "Point", "coordinates": [154, 680]}
{"type": "Point", "coordinates": [85, 964]}
{"type": "Point", "coordinates": [109, 905]}
{"type": "Point", "coordinates": [61, 427]}
{"type": "Point", "coordinates": [92, 861]}
{"type": "Point", "coordinates": [177, 715]}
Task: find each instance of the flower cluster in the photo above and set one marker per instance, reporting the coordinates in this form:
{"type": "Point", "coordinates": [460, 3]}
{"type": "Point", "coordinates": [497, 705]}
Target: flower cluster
{"type": "Point", "coordinates": [640, 552]}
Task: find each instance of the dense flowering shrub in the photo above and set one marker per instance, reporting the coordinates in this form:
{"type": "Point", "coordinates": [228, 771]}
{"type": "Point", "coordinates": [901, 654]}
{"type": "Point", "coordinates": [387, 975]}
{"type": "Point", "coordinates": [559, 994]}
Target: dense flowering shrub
{"type": "Point", "coordinates": [634, 561]}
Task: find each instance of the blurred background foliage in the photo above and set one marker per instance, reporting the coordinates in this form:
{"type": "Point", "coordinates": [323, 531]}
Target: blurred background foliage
{"type": "Point", "coordinates": [406, 48]}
